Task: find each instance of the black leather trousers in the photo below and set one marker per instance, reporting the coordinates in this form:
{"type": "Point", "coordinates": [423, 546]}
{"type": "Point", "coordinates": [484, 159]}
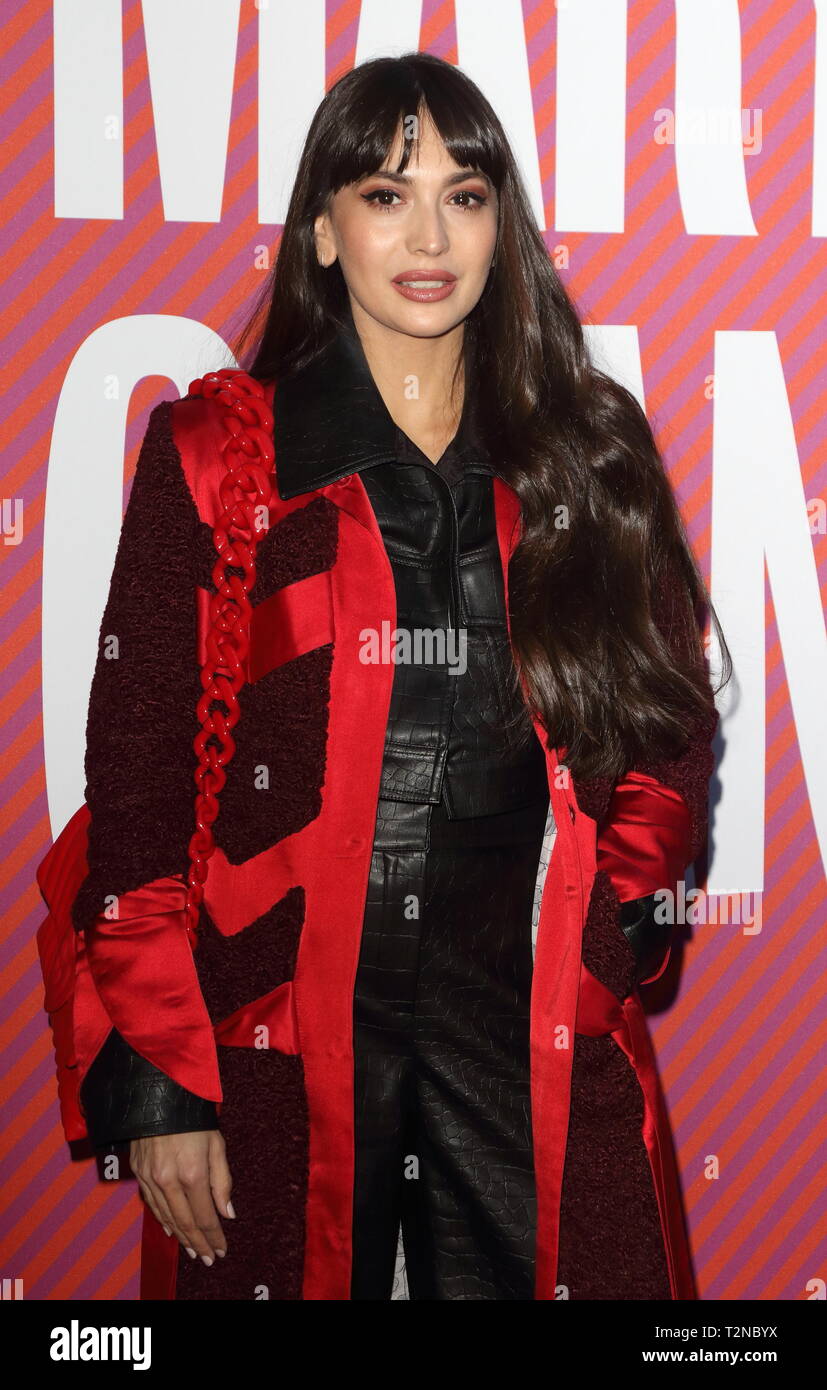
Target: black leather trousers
{"type": "Point", "coordinates": [441, 1020]}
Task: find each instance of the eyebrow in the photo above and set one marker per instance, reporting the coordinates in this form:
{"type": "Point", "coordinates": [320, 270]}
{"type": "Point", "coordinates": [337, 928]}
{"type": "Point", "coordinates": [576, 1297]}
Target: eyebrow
{"type": "Point", "coordinates": [452, 178]}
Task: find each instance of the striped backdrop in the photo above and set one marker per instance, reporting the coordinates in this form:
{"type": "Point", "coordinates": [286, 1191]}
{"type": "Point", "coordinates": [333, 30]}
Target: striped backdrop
{"type": "Point", "coordinates": [643, 243]}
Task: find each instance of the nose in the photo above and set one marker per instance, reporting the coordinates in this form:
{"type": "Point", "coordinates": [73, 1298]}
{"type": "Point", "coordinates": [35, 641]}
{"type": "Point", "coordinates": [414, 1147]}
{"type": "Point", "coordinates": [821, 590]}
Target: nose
{"type": "Point", "coordinates": [426, 231]}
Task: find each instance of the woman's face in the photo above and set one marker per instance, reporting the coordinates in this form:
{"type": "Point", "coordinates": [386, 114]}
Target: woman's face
{"type": "Point", "coordinates": [387, 228]}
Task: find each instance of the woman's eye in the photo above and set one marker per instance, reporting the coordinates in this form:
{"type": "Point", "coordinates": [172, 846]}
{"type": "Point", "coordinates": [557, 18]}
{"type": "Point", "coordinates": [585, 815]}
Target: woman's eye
{"type": "Point", "coordinates": [380, 193]}
{"type": "Point", "coordinates": [478, 199]}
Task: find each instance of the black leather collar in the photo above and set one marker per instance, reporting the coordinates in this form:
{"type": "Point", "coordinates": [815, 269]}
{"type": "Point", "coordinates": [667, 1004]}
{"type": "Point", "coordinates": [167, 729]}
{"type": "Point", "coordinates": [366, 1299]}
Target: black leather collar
{"type": "Point", "coordinates": [331, 421]}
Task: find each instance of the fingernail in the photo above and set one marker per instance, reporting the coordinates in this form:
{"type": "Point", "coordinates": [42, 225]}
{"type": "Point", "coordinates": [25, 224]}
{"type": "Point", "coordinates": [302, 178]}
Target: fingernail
{"type": "Point", "coordinates": [167, 1231]}
{"type": "Point", "coordinates": [221, 1253]}
{"type": "Point", "coordinates": [230, 1211]}
{"type": "Point", "coordinates": [207, 1259]}
{"type": "Point", "coordinates": [190, 1251]}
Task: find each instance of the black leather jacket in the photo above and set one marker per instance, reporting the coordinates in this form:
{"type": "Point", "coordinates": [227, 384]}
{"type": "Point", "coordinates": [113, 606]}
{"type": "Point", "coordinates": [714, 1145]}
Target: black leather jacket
{"type": "Point", "coordinates": [458, 731]}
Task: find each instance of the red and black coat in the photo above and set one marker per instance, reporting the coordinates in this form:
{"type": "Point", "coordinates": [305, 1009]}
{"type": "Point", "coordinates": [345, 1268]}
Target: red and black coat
{"type": "Point", "coordinates": [258, 1020]}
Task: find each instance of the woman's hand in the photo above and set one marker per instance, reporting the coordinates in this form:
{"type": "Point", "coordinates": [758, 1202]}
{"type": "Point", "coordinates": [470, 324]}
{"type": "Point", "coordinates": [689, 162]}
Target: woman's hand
{"type": "Point", "coordinates": [184, 1178]}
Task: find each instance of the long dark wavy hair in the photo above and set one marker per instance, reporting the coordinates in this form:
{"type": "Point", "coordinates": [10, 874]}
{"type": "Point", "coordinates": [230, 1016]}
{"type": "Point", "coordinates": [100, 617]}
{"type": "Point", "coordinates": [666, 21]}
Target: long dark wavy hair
{"type": "Point", "coordinates": [606, 600]}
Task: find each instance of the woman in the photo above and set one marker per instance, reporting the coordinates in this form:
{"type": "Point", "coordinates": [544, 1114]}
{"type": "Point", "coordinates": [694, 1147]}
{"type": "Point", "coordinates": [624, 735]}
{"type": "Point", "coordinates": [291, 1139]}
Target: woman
{"type": "Point", "coordinates": [475, 617]}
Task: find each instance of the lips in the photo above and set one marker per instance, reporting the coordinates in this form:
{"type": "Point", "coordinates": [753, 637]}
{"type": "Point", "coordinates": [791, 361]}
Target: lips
{"type": "Point", "coordinates": [435, 277]}
{"type": "Point", "coordinates": [425, 286]}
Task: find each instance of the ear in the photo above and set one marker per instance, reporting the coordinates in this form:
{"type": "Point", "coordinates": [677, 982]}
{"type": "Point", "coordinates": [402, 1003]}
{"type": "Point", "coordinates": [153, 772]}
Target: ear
{"type": "Point", "coordinates": [325, 243]}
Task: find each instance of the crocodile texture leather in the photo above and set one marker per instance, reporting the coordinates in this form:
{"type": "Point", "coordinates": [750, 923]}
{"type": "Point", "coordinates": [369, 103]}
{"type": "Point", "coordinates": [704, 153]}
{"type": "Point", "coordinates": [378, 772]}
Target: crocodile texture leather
{"type": "Point", "coordinates": [441, 1041]}
{"type": "Point", "coordinates": [457, 729]}
{"type": "Point", "coordinates": [125, 1097]}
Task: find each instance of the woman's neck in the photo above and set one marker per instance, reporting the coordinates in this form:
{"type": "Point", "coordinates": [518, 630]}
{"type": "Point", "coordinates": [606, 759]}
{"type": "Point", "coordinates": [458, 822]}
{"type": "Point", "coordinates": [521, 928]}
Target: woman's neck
{"type": "Point", "coordinates": [413, 377]}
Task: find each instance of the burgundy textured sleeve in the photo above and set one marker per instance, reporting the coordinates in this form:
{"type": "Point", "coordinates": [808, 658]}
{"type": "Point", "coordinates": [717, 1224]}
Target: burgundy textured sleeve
{"type": "Point", "coordinates": [142, 721]}
{"type": "Point", "coordinates": [139, 768]}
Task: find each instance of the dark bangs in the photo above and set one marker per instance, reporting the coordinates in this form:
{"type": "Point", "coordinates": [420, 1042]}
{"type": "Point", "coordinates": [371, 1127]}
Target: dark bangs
{"type": "Point", "coordinates": [375, 106]}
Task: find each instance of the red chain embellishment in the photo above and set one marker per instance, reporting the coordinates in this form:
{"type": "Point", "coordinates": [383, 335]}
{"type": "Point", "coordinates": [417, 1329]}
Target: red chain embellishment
{"type": "Point", "coordinates": [247, 485]}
